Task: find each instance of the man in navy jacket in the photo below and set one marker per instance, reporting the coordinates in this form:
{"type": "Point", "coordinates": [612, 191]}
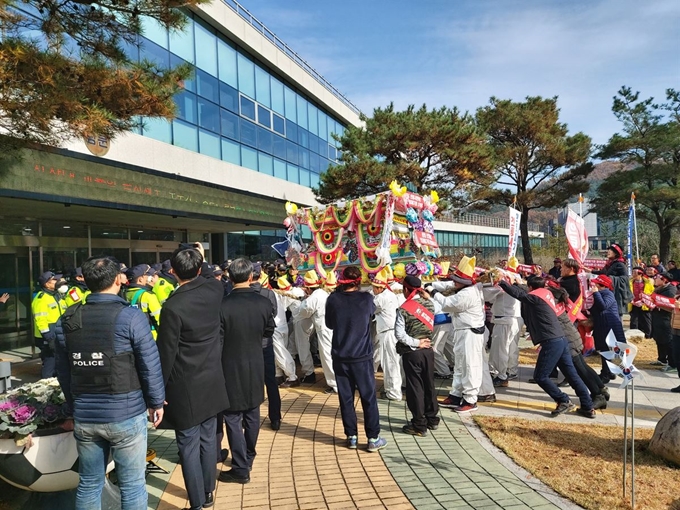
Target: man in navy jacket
{"type": "Point", "coordinates": [110, 373]}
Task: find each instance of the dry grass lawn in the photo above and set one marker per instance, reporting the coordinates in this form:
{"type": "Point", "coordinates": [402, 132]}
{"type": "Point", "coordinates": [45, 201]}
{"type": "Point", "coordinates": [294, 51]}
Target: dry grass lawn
{"type": "Point", "coordinates": [646, 354]}
{"type": "Point", "coordinates": [584, 463]}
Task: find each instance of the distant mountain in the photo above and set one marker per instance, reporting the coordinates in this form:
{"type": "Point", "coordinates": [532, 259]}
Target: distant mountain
{"type": "Point", "coordinates": [601, 172]}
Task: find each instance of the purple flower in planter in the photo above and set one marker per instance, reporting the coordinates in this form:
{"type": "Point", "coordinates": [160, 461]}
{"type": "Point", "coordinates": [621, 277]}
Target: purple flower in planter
{"type": "Point", "coordinates": [51, 412]}
{"type": "Point", "coordinates": [9, 405]}
{"type": "Point", "coordinates": [23, 414]}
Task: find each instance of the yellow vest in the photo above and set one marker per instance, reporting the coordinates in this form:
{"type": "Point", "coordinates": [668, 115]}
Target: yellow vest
{"type": "Point", "coordinates": [46, 309]}
{"type": "Point", "coordinates": [163, 288]}
{"type": "Point", "coordinates": [76, 295]}
{"type": "Point", "coordinates": [148, 303]}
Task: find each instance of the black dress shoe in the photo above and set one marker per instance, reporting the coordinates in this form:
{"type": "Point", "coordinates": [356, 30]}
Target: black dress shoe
{"type": "Point", "coordinates": [224, 454]}
{"type": "Point", "coordinates": [290, 384]}
{"type": "Point", "coordinates": [309, 379]}
{"type": "Point", "coordinates": [230, 477]}
{"type": "Point", "coordinates": [209, 500]}
{"type": "Point", "coordinates": [275, 424]}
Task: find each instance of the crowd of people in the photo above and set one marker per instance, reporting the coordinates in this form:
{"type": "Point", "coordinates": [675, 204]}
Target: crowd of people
{"type": "Point", "coordinates": [194, 347]}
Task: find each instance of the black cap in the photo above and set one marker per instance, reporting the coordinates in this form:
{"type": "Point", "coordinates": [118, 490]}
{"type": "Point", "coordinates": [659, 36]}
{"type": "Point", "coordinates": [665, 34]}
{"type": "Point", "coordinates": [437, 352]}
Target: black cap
{"type": "Point", "coordinates": [412, 281]}
{"type": "Point", "coordinates": [257, 270]}
{"type": "Point", "coordinates": [140, 270]}
{"type": "Point", "coordinates": [79, 271]}
{"type": "Point", "coordinates": [47, 276]}
{"type": "Point", "coordinates": [166, 266]}
{"type": "Point", "coordinates": [157, 267]}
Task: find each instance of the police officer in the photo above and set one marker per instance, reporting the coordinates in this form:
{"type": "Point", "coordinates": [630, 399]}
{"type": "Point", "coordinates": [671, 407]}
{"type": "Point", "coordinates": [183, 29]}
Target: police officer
{"type": "Point", "coordinates": [78, 291]}
{"type": "Point", "coordinates": [166, 283]}
{"type": "Point", "coordinates": [47, 307]}
{"type": "Point", "coordinates": [140, 295]}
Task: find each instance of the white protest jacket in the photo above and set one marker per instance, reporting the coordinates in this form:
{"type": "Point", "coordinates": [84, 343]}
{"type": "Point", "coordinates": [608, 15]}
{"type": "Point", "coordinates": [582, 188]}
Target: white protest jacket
{"type": "Point", "coordinates": [466, 307]}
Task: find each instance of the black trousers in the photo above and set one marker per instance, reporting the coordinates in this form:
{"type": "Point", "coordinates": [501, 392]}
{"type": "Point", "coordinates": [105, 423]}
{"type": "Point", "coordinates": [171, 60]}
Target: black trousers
{"type": "Point", "coordinates": [588, 375]}
{"type": "Point", "coordinates": [243, 427]}
{"type": "Point", "coordinates": [357, 376]}
{"type": "Point", "coordinates": [662, 334]}
{"type": "Point", "coordinates": [197, 452]}
{"type": "Point", "coordinates": [642, 320]}
{"type": "Point", "coordinates": [273, 395]}
{"type": "Point", "coordinates": [421, 395]}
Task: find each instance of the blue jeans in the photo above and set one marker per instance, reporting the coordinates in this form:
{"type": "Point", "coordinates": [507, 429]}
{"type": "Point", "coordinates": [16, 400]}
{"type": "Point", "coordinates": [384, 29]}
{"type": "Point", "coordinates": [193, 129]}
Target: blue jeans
{"type": "Point", "coordinates": [555, 353]}
{"type": "Point", "coordinates": [126, 442]}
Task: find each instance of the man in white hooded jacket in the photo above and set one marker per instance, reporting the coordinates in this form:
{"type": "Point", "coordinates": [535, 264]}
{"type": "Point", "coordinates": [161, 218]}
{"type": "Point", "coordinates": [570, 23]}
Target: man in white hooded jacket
{"type": "Point", "coordinates": [386, 304]}
{"type": "Point", "coordinates": [466, 308]}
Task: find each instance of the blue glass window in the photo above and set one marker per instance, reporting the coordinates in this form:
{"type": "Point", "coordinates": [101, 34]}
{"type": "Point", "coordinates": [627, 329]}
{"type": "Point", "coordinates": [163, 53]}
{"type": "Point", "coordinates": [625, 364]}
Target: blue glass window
{"type": "Point", "coordinates": [303, 157]}
{"type": "Point", "coordinates": [226, 60]}
{"type": "Point", "coordinates": [185, 135]}
{"type": "Point", "coordinates": [278, 124]}
{"type": "Point", "coordinates": [277, 96]}
{"type": "Point", "coordinates": [303, 138]}
{"type": "Point", "coordinates": [186, 106]}
{"type": "Point", "coordinates": [249, 158]}
{"type": "Point", "coordinates": [264, 140]}
{"type": "Point", "coordinates": [302, 112]}
{"type": "Point", "coordinates": [291, 153]}
{"type": "Point", "coordinates": [229, 124]}
{"type": "Point", "coordinates": [324, 165]}
{"type": "Point", "coordinates": [182, 42]}
{"type": "Point", "coordinates": [291, 131]}
{"type": "Point", "coordinates": [314, 180]}
{"type": "Point", "coordinates": [208, 115]}
{"type": "Point", "coordinates": [265, 164]}
{"type": "Point", "coordinates": [314, 143]}
{"type": "Point", "coordinates": [314, 163]}
{"type": "Point", "coordinates": [206, 54]}
{"type": "Point", "coordinates": [248, 133]}
{"type": "Point", "coordinates": [231, 151]}
{"type": "Point", "coordinates": [279, 147]}
{"type": "Point", "coordinates": [246, 76]}
{"type": "Point", "coordinates": [331, 130]}
{"type": "Point", "coordinates": [323, 126]}
{"type": "Point", "coordinates": [158, 129]}
{"type": "Point", "coordinates": [228, 97]}
{"type": "Point", "coordinates": [279, 169]}
{"type": "Point", "coordinates": [264, 116]}
{"type": "Point", "coordinates": [291, 108]}
{"type": "Point", "coordinates": [154, 31]}
{"type": "Point", "coordinates": [154, 53]}
{"type": "Point", "coordinates": [304, 177]}
{"type": "Point", "coordinates": [332, 154]}
{"type": "Point", "coordinates": [262, 87]}
{"type": "Point", "coordinates": [209, 144]}
{"type": "Point", "coordinates": [190, 83]}
{"type": "Point", "coordinates": [206, 86]}
{"type": "Point", "coordinates": [293, 173]}
{"type": "Point", "coordinates": [313, 115]}
{"type": "Point", "coordinates": [247, 108]}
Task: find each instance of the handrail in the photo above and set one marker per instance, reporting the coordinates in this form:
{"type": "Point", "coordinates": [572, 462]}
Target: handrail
{"type": "Point", "coordinates": [276, 41]}
{"type": "Point", "coordinates": [483, 220]}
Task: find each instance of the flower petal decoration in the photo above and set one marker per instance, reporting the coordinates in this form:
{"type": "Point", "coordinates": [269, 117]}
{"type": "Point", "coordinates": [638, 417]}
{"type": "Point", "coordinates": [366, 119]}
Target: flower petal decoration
{"type": "Point", "coordinates": [434, 196]}
{"type": "Point", "coordinates": [291, 208]}
{"type": "Point", "coordinates": [397, 190]}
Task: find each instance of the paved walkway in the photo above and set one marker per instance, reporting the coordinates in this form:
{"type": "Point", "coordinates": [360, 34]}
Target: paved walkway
{"type": "Point", "coordinates": [305, 465]}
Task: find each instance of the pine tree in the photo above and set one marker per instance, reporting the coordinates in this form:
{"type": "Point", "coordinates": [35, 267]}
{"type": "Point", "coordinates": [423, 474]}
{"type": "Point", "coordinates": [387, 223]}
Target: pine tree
{"type": "Point", "coordinates": [64, 71]}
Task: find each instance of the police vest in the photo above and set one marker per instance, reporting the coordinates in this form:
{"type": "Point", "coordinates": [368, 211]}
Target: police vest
{"type": "Point", "coordinates": [90, 337]}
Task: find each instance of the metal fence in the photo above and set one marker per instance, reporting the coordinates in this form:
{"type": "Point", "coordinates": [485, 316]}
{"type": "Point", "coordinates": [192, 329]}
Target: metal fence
{"type": "Point", "coordinates": [484, 220]}
{"type": "Point", "coordinates": [276, 41]}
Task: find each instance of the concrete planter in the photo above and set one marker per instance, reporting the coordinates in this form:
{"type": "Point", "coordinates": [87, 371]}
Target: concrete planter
{"type": "Point", "coordinates": [49, 465]}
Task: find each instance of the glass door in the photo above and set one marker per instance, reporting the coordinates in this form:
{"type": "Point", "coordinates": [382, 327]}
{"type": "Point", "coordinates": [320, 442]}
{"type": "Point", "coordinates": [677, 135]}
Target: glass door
{"type": "Point", "coordinates": [15, 314]}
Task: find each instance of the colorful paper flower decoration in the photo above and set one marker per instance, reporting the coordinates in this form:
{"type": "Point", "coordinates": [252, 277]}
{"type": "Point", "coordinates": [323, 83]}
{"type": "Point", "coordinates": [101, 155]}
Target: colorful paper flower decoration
{"type": "Point", "coordinates": [291, 208]}
{"type": "Point", "coordinates": [427, 215]}
{"type": "Point", "coordinates": [434, 197]}
{"type": "Point", "coordinates": [397, 191]}
{"type": "Point", "coordinates": [411, 215]}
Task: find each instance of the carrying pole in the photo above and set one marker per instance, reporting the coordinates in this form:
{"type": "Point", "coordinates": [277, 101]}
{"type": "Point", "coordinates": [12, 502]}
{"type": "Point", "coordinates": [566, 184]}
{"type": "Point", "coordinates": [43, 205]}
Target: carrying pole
{"type": "Point", "coordinates": [625, 439]}
{"type": "Point", "coordinates": [632, 449]}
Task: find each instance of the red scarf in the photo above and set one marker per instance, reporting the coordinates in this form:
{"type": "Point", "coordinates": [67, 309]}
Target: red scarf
{"type": "Point", "coordinates": [418, 311]}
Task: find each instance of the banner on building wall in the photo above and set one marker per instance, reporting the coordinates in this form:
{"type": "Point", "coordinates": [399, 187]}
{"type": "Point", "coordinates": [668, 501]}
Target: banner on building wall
{"type": "Point", "coordinates": [513, 234]}
{"type": "Point", "coordinates": [577, 237]}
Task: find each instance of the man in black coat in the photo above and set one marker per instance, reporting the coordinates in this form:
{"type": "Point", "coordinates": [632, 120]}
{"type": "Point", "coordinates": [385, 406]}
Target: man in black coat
{"type": "Point", "coordinates": [247, 318]}
{"type": "Point", "coordinates": [190, 348]}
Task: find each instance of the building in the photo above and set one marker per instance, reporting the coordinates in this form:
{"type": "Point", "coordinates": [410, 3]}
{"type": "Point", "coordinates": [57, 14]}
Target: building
{"type": "Point", "coordinates": [255, 129]}
{"type": "Point", "coordinates": [600, 234]}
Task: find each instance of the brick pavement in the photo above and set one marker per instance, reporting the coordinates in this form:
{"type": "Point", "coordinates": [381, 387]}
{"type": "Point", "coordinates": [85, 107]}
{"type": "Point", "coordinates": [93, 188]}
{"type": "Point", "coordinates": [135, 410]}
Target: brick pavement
{"type": "Point", "coordinates": [305, 465]}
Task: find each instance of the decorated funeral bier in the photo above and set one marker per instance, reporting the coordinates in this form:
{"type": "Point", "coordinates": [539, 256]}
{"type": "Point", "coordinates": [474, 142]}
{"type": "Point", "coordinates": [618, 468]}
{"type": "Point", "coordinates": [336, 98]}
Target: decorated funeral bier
{"type": "Point", "coordinates": [371, 231]}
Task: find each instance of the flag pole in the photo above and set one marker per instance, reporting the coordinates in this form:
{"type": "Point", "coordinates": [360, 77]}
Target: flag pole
{"type": "Point", "coordinates": [580, 205]}
{"type": "Point", "coordinates": [637, 246]}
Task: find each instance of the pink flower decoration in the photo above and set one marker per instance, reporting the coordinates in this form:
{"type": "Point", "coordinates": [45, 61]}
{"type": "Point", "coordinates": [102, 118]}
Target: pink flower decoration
{"type": "Point", "coordinates": [9, 405]}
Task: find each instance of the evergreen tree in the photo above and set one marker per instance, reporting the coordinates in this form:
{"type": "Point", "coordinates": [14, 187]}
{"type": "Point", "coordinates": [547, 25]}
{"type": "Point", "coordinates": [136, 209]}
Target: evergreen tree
{"type": "Point", "coordinates": [536, 161]}
{"type": "Point", "coordinates": [650, 144]}
{"type": "Point", "coordinates": [427, 149]}
{"type": "Point", "coordinates": [64, 71]}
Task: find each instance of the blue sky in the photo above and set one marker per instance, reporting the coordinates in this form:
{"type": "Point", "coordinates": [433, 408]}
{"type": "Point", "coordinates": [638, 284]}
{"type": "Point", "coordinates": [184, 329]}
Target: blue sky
{"type": "Point", "coordinates": [461, 52]}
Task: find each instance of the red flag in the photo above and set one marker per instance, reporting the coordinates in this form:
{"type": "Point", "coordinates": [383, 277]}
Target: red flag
{"type": "Point", "coordinates": [577, 237]}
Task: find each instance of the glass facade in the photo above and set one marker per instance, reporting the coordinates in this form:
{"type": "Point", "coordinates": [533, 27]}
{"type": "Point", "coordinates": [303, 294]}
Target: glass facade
{"type": "Point", "coordinates": [487, 246]}
{"type": "Point", "coordinates": [236, 110]}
